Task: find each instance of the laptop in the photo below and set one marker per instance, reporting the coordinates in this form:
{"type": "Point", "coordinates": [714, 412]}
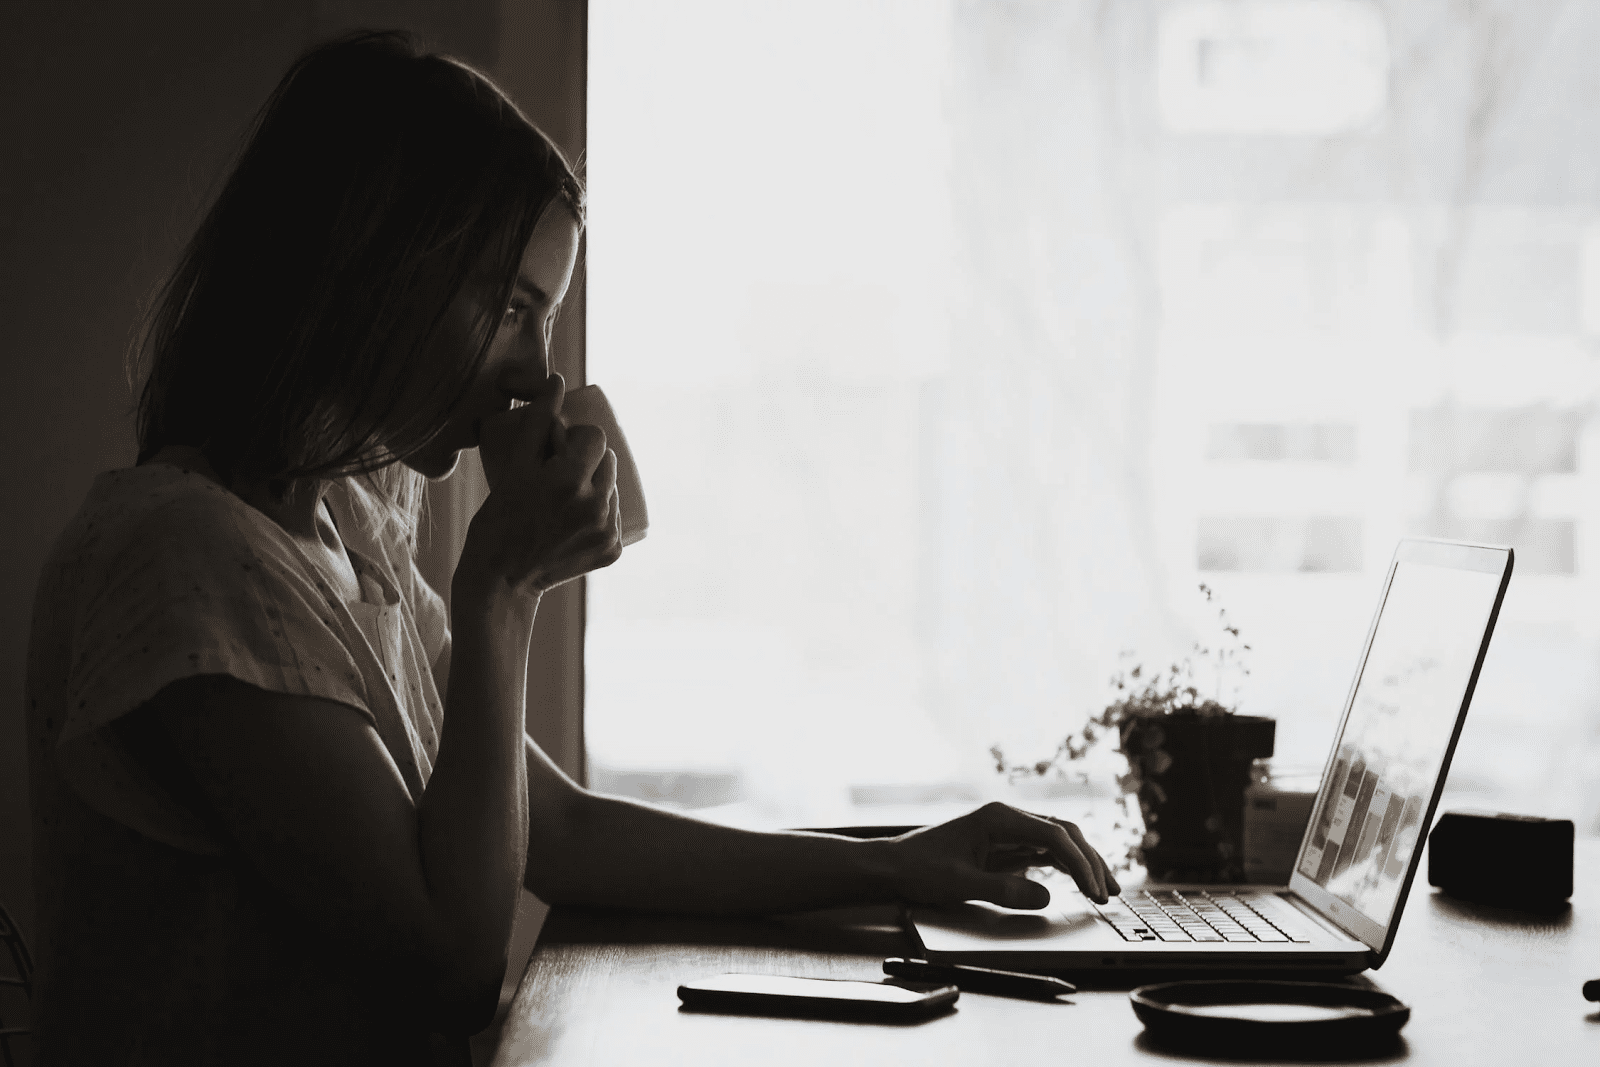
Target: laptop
{"type": "Point", "coordinates": [1384, 773]}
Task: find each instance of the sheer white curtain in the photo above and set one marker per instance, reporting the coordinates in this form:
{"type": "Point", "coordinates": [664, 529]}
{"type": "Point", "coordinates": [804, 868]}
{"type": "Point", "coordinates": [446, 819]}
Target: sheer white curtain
{"type": "Point", "coordinates": [959, 342]}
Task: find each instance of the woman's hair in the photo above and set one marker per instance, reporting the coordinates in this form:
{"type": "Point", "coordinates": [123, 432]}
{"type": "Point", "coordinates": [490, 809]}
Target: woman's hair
{"type": "Point", "coordinates": [288, 345]}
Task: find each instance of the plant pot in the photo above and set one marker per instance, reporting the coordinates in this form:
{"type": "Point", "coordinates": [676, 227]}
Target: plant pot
{"type": "Point", "coordinates": [1194, 771]}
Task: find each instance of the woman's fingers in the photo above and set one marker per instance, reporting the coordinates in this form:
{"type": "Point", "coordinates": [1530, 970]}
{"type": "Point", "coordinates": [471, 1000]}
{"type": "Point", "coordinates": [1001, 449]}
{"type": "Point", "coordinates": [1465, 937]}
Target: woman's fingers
{"type": "Point", "coordinates": [1107, 881]}
{"type": "Point", "coordinates": [604, 479]}
{"type": "Point", "coordinates": [1009, 859]}
{"type": "Point", "coordinates": [520, 439]}
{"type": "Point", "coordinates": [585, 450]}
{"type": "Point", "coordinates": [1008, 891]}
{"type": "Point", "coordinates": [983, 854]}
{"type": "Point", "coordinates": [542, 423]}
{"type": "Point", "coordinates": [1007, 824]}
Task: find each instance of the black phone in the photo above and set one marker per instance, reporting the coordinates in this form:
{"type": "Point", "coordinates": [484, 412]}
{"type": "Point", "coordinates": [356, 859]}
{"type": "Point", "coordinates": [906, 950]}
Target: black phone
{"type": "Point", "coordinates": [825, 998]}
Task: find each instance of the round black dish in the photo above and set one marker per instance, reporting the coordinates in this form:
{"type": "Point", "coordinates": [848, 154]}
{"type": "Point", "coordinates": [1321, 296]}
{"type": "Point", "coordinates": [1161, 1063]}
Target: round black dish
{"type": "Point", "coordinates": [1262, 1016]}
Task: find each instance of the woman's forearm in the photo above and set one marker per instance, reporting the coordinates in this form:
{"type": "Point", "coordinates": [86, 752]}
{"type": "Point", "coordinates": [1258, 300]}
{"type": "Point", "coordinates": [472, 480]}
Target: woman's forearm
{"type": "Point", "coordinates": [663, 861]}
{"type": "Point", "coordinates": [473, 819]}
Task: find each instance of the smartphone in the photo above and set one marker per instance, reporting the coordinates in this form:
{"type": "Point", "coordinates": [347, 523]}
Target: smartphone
{"type": "Point", "coordinates": [588, 406]}
{"type": "Point", "coordinates": [824, 998]}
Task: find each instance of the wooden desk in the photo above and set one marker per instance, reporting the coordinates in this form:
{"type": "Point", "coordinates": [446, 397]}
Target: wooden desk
{"type": "Point", "coordinates": [1484, 985]}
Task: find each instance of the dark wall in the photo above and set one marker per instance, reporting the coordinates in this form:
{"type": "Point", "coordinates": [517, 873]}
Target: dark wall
{"type": "Point", "coordinates": [116, 121]}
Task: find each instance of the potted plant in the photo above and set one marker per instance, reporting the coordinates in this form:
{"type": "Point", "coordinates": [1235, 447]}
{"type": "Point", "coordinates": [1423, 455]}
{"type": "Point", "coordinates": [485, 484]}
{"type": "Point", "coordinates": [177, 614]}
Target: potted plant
{"type": "Point", "coordinates": [1188, 761]}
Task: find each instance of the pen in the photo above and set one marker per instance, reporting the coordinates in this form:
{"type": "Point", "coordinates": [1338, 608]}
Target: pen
{"type": "Point", "coordinates": [978, 979]}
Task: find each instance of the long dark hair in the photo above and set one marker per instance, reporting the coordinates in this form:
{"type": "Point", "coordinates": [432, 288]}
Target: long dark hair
{"type": "Point", "coordinates": [377, 181]}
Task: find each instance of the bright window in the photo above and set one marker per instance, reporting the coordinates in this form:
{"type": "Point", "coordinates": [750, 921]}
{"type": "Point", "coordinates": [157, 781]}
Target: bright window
{"type": "Point", "coordinates": [1272, 66]}
{"type": "Point", "coordinates": [957, 349]}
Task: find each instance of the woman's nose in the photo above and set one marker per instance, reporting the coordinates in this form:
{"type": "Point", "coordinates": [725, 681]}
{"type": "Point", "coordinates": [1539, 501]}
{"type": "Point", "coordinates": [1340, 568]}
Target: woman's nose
{"type": "Point", "coordinates": [528, 368]}
{"type": "Point", "coordinates": [537, 356]}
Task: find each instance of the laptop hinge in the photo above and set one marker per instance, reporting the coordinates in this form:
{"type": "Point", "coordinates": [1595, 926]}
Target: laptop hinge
{"type": "Point", "coordinates": [1305, 908]}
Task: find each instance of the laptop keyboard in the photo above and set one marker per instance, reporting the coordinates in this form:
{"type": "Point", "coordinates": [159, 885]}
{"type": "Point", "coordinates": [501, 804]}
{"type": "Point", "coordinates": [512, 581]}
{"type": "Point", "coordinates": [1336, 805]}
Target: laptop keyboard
{"type": "Point", "coordinates": [1187, 915]}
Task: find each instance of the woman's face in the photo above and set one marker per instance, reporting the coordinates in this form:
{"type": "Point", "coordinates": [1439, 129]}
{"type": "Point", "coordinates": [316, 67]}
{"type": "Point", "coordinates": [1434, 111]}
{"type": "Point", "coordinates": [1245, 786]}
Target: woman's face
{"type": "Point", "coordinates": [521, 341]}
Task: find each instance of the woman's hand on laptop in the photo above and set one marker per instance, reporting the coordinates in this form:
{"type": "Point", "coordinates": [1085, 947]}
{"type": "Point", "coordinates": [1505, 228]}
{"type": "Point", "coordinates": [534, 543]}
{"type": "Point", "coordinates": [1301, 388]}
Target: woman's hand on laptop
{"type": "Point", "coordinates": [981, 856]}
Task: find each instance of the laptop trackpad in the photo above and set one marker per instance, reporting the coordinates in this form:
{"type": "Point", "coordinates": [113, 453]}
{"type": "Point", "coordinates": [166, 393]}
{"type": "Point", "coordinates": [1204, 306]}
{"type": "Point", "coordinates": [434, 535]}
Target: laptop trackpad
{"type": "Point", "coordinates": [1068, 923]}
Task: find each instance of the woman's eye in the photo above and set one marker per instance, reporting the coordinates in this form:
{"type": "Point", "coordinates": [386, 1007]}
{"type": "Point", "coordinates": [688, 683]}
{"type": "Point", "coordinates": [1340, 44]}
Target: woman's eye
{"type": "Point", "coordinates": [515, 312]}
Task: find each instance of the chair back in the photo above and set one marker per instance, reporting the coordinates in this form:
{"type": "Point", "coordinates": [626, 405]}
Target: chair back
{"type": "Point", "coordinates": [22, 964]}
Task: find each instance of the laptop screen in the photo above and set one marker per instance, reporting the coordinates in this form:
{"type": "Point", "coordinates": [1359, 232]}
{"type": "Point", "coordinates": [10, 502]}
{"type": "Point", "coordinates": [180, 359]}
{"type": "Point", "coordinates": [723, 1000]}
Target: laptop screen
{"type": "Point", "coordinates": [1396, 734]}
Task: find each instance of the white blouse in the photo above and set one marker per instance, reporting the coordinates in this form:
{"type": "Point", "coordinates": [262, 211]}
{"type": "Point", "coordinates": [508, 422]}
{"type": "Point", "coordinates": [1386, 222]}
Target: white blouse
{"type": "Point", "coordinates": [174, 576]}
{"type": "Point", "coordinates": [150, 931]}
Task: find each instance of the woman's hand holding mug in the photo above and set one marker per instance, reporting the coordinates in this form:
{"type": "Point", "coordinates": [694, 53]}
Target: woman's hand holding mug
{"type": "Point", "coordinates": [552, 512]}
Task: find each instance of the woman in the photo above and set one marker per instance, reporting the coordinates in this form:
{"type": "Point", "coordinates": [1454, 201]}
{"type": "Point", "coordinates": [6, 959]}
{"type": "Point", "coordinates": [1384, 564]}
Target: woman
{"type": "Point", "coordinates": [283, 810]}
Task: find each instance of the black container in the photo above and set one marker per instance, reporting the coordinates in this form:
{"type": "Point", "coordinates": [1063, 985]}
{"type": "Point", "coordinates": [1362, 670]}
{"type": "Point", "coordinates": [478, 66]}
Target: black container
{"type": "Point", "coordinates": [1196, 769]}
{"type": "Point", "coordinates": [1514, 861]}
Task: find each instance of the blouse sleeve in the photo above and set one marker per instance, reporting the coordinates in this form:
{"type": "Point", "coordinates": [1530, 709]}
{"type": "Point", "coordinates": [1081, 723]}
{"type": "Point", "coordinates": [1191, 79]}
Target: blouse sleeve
{"type": "Point", "coordinates": [193, 589]}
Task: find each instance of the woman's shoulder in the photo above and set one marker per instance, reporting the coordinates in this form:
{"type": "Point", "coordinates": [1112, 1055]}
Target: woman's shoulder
{"type": "Point", "coordinates": [159, 511]}
{"type": "Point", "coordinates": [158, 493]}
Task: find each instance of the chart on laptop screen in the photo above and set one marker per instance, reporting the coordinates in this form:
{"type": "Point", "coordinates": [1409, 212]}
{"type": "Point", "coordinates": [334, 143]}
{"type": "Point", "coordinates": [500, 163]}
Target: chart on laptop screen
{"type": "Point", "coordinates": [1400, 723]}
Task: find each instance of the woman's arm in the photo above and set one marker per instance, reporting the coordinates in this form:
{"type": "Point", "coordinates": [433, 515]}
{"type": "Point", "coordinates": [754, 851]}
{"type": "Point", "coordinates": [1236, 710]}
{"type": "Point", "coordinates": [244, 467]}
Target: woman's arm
{"type": "Point", "coordinates": [423, 893]}
{"type": "Point", "coordinates": [590, 849]}
{"type": "Point", "coordinates": [311, 800]}
{"type": "Point", "coordinates": [578, 840]}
